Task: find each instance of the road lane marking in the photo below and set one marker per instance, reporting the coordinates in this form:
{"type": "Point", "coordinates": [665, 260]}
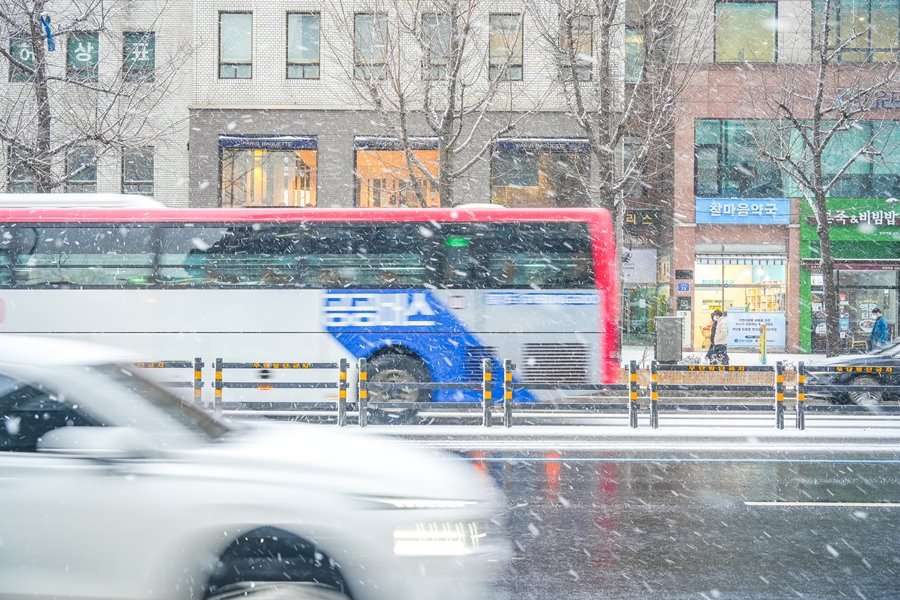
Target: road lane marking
{"type": "Point", "coordinates": [830, 504]}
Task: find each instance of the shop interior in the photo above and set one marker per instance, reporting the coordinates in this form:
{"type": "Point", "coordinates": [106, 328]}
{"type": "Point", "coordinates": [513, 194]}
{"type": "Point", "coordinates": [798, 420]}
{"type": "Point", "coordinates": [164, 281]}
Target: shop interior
{"type": "Point", "coordinates": [735, 287]}
{"type": "Point", "coordinates": [859, 291]}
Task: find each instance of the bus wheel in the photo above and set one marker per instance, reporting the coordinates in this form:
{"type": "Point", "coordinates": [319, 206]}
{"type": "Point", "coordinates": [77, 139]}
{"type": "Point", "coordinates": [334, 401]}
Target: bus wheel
{"type": "Point", "coordinates": [398, 368]}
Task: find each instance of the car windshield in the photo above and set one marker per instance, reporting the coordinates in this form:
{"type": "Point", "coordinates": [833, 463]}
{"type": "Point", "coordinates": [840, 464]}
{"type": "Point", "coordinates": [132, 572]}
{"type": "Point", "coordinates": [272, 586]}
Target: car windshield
{"type": "Point", "coordinates": [176, 409]}
{"type": "Point", "coordinates": [890, 349]}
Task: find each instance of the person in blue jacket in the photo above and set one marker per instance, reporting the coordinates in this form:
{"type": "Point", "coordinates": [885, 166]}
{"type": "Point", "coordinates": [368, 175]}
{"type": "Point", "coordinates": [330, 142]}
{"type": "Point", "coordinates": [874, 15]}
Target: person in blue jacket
{"type": "Point", "coordinates": [879, 335]}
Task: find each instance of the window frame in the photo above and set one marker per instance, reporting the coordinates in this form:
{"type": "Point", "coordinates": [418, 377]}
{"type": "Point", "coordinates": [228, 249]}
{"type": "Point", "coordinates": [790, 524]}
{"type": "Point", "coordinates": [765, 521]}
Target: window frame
{"type": "Point", "coordinates": [505, 70]}
{"type": "Point", "coordinates": [363, 67]}
{"type": "Point", "coordinates": [92, 71]}
{"type": "Point", "coordinates": [303, 64]}
{"type": "Point", "coordinates": [138, 74]}
{"type": "Point", "coordinates": [581, 69]}
{"type": "Point", "coordinates": [23, 185]}
{"type": "Point", "coordinates": [832, 44]}
{"type": "Point", "coordinates": [717, 60]}
{"type": "Point", "coordinates": [235, 64]}
{"type": "Point", "coordinates": [81, 186]}
{"type": "Point", "coordinates": [16, 73]}
{"type": "Point", "coordinates": [434, 64]}
{"type": "Point", "coordinates": [638, 63]}
{"type": "Point", "coordinates": [139, 182]}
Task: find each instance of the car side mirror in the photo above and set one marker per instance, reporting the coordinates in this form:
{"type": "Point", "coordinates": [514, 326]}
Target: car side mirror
{"type": "Point", "coordinates": [97, 442]}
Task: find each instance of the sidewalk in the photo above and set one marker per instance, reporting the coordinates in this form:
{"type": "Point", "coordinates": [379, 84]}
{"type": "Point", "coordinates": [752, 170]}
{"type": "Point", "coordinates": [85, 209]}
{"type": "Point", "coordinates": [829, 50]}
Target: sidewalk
{"type": "Point", "coordinates": [644, 354]}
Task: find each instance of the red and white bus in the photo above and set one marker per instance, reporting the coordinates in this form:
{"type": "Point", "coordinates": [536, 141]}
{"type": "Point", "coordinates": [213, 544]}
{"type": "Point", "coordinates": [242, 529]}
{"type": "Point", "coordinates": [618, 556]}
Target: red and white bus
{"type": "Point", "coordinates": [423, 294]}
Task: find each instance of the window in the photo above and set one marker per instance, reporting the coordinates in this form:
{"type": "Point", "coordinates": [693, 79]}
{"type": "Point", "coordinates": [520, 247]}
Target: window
{"type": "Point", "coordinates": [872, 176]}
{"type": "Point", "coordinates": [727, 162]}
{"type": "Point", "coordinates": [21, 176]}
{"type": "Point", "coordinates": [268, 171]}
{"type": "Point", "coordinates": [370, 31]}
{"type": "Point", "coordinates": [745, 31]}
{"type": "Point", "coordinates": [634, 54]}
{"type": "Point", "coordinates": [303, 46]}
{"type": "Point", "coordinates": [576, 36]}
{"type": "Point", "coordinates": [867, 27]}
{"type": "Point", "coordinates": [139, 56]}
{"type": "Point", "coordinates": [235, 45]}
{"type": "Point", "coordinates": [436, 31]}
{"type": "Point", "coordinates": [137, 171]}
{"type": "Point", "coordinates": [81, 170]}
{"type": "Point", "coordinates": [20, 49]}
{"type": "Point", "coordinates": [382, 177]}
{"type": "Point", "coordinates": [506, 47]}
{"type": "Point", "coordinates": [534, 173]}
{"type": "Point", "coordinates": [83, 56]}
{"type": "Point", "coordinates": [27, 413]}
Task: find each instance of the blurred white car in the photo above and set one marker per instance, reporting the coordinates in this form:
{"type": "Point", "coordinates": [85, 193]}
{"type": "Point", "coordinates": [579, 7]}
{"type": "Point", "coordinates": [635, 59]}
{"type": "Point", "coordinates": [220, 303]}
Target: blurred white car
{"type": "Point", "coordinates": [111, 487]}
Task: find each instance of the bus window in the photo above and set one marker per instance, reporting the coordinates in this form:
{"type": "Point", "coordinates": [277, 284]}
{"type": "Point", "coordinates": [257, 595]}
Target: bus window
{"type": "Point", "coordinates": [96, 256]}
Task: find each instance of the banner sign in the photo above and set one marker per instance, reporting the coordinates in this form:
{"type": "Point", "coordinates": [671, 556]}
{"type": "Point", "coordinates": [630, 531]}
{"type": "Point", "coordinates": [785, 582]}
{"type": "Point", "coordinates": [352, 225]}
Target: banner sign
{"type": "Point", "coordinates": [744, 329]}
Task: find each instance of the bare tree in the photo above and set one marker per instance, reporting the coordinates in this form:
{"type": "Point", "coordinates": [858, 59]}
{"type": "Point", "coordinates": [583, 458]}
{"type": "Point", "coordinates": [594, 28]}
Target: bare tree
{"type": "Point", "coordinates": [615, 91]}
{"type": "Point", "coordinates": [62, 99]}
{"type": "Point", "coordinates": [811, 108]}
{"type": "Point", "coordinates": [424, 66]}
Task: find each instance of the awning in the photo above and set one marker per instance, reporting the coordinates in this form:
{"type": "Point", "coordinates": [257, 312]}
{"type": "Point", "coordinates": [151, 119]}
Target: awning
{"type": "Point", "coordinates": [741, 259]}
{"type": "Point", "coordinates": [544, 144]}
{"type": "Point", "coordinates": [366, 142]}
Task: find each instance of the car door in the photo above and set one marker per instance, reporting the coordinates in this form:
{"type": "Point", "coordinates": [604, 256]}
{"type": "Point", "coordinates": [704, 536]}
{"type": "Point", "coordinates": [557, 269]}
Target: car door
{"type": "Point", "coordinates": [73, 526]}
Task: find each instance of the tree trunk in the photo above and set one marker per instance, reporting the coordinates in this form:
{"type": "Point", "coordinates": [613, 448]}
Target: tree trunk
{"type": "Point", "coordinates": [41, 160]}
{"type": "Point", "coordinates": [829, 297]}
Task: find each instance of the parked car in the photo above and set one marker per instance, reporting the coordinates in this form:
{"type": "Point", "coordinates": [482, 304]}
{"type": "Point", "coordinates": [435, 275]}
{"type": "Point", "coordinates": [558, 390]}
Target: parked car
{"type": "Point", "coordinates": [111, 487]}
{"type": "Point", "coordinates": [885, 363]}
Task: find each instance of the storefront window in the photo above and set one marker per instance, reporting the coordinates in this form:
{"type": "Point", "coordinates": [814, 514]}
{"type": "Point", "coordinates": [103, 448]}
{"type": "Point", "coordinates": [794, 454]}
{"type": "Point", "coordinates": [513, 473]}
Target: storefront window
{"type": "Point", "coordinates": [383, 180]}
{"type": "Point", "coordinates": [859, 291]}
{"type": "Point", "coordinates": [268, 176]}
{"type": "Point", "coordinates": [736, 288]}
{"type": "Point", "coordinates": [537, 173]}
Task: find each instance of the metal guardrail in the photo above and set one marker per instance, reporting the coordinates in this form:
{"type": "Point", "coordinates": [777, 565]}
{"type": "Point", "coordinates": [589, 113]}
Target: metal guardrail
{"type": "Point", "coordinates": [341, 384]}
{"type": "Point", "coordinates": [509, 406]}
{"type": "Point", "coordinates": [804, 386]}
{"type": "Point", "coordinates": [776, 388]}
{"type": "Point", "coordinates": [196, 383]}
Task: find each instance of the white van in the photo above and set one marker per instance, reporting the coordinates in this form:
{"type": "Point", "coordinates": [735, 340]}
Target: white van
{"type": "Point", "coordinates": [78, 201]}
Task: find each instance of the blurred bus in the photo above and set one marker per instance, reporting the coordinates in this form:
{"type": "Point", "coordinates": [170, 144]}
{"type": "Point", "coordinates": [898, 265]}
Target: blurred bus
{"type": "Point", "coordinates": [78, 201]}
{"type": "Point", "coordinates": [422, 294]}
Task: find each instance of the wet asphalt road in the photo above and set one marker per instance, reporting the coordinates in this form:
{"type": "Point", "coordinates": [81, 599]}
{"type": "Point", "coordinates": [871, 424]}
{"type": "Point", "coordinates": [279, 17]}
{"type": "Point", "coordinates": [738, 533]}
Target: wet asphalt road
{"type": "Point", "coordinates": [669, 515]}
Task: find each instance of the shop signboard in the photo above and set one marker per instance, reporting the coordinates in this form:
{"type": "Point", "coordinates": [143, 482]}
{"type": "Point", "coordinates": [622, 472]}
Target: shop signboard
{"type": "Point", "coordinates": [744, 328]}
{"type": "Point", "coordinates": [855, 220]}
{"type": "Point", "coordinates": [744, 211]}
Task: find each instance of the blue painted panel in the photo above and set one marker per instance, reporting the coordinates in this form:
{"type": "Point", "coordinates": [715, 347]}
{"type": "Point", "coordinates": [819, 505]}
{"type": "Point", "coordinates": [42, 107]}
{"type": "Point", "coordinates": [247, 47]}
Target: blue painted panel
{"type": "Point", "coordinates": [744, 211]}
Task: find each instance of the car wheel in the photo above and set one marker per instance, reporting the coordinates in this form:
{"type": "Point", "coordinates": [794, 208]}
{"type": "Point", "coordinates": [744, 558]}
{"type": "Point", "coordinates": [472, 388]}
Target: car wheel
{"type": "Point", "coordinates": [398, 368]}
{"type": "Point", "coordinates": [265, 590]}
{"type": "Point", "coordinates": [866, 398]}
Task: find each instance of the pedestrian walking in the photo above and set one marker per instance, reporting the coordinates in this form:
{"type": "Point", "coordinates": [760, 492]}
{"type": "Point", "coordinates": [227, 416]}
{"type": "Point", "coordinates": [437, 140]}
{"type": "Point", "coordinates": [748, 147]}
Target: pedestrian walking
{"type": "Point", "coordinates": [718, 338]}
{"type": "Point", "coordinates": [879, 334]}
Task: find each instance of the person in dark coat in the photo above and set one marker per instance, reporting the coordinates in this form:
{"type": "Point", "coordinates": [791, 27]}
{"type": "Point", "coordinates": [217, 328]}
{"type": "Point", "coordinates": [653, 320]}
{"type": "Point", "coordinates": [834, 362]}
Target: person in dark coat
{"type": "Point", "coordinates": [879, 335]}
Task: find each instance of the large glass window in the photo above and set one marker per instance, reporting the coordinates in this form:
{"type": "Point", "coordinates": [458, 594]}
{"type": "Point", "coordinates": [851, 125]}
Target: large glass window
{"type": "Point", "coordinates": [81, 168]}
{"type": "Point", "coordinates": [728, 163]}
{"type": "Point", "coordinates": [533, 175]}
{"type": "Point", "coordinates": [634, 54]}
{"type": "Point", "coordinates": [865, 30]}
{"type": "Point", "coordinates": [303, 46]}
{"type": "Point", "coordinates": [436, 30]}
{"type": "Point", "coordinates": [268, 177]}
{"type": "Point", "coordinates": [746, 31]}
{"type": "Point", "coordinates": [22, 178]}
{"type": "Point", "coordinates": [859, 291]}
{"type": "Point", "coordinates": [370, 34]}
{"type": "Point", "coordinates": [139, 56]}
{"type": "Point", "coordinates": [137, 171]}
{"type": "Point", "coordinates": [20, 49]}
{"type": "Point", "coordinates": [506, 47]}
{"type": "Point", "coordinates": [383, 179]}
{"type": "Point", "coordinates": [235, 45]}
{"type": "Point", "coordinates": [83, 56]}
